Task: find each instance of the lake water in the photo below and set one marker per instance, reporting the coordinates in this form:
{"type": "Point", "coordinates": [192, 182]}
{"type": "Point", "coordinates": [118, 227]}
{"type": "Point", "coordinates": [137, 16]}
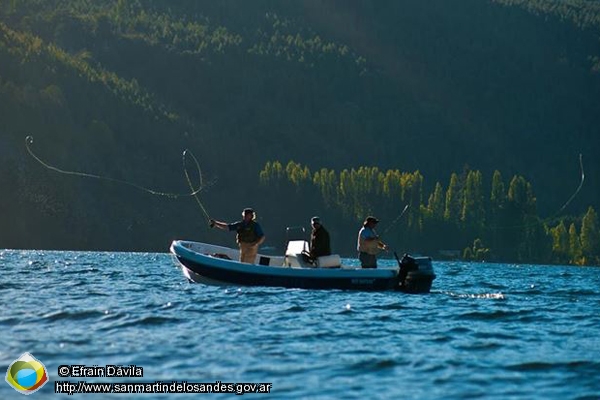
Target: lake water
{"type": "Point", "coordinates": [489, 331]}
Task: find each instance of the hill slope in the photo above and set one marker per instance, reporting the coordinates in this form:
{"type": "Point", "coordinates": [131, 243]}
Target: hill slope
{"type": "Point", "coordinates": [120, 88]}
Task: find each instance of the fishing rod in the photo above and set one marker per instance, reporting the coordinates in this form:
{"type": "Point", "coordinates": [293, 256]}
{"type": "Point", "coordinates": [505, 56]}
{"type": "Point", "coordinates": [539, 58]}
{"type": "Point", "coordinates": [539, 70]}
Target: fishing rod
{"type": "Point", "coordinates": [381, 245]}
{"type": "Point", "coordinates": [194, 191]}
{"type": "Point", "coordinates": [396, 219]}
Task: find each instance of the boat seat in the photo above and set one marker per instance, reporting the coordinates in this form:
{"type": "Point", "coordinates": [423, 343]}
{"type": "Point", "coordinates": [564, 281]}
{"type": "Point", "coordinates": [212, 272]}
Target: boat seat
{"type": "Point", "coordinates": [331, 261]}
{"type": "Point", "coordinates": [300, 260]}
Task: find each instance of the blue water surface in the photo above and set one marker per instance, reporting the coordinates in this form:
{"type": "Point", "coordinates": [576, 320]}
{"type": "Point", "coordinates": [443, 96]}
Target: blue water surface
{"type": "Point", "coordinates": [486, 331]}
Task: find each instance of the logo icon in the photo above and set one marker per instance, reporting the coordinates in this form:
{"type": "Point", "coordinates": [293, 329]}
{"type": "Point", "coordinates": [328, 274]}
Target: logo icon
{"type": "Point", "coordinates": [26, 374]}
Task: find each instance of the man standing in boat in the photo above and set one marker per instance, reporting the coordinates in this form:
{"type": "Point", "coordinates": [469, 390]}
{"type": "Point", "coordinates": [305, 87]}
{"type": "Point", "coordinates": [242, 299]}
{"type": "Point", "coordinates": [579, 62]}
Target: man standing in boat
{"type": "Point", "coordinates": [368, 244]}
{"type": "Point", "coordinates": [249, 234]}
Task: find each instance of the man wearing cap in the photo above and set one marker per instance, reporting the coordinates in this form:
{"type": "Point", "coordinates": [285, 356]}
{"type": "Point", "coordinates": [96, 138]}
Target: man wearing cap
{"type": "Point", "coordinates": [249, 234]}
{"type": "Point", "coordinates": [368, 244]}
{"type": "Point", "coordinates": [319, 239]}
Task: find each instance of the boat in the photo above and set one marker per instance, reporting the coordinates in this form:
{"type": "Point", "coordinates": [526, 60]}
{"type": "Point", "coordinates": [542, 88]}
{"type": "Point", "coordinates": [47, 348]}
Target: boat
{"type": "Point", "coordinates": [217, 265]}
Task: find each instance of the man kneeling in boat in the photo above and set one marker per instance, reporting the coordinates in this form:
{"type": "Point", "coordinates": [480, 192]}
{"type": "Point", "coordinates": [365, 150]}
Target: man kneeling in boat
{"type": "Point", "coordinates": [249, 234]}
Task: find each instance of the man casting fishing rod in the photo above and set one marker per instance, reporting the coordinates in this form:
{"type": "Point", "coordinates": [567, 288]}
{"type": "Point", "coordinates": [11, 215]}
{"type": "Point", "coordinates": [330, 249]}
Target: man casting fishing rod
{"type": "Point", "coordinates": [249, 234]}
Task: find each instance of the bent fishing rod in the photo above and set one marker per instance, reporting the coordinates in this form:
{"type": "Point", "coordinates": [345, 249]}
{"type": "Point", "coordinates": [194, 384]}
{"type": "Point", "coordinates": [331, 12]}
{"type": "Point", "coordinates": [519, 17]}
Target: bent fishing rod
{"type": "Point", "coordinates": [396, 219]}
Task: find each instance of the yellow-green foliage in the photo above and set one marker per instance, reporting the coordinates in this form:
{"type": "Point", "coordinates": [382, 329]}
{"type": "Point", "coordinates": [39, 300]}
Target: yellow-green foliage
{"type": "Point", "coordinates": [507, 218]}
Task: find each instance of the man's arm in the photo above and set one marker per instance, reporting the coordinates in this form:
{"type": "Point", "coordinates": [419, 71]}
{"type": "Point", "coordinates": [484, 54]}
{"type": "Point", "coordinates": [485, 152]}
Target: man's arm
{"type": "Point", "coordinates": [219, 224]}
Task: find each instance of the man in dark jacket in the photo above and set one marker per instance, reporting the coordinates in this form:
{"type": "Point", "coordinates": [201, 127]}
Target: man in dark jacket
{"type": "Point", "coordinates": [319, 239]}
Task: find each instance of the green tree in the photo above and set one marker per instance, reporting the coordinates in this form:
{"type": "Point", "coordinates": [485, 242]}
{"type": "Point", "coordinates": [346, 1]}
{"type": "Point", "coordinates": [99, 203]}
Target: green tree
{"type": "Point", "coordinates": [414, 197]}
{"type": "Point", "coordinates": [590, 237]}
{"type": "Point", "coordinates": [574, 245]}
{"type": "Point", "coordinates": [560, 243]}
{"type": "Point", "coordinates": [297, 174]}
{"type": "Point", "coordinates": [473, 210]}
{"type": "Point", "coordinates": [536, 242]}
{"type": "Point", "coordinates": [326, 180]}
{"type": "Point", "coordinates": [476, 253]}
{"type": "Point", "coordinates": [520, 196]}
{"type": "Point", "coordinates": [271, 174]}
{"type": "Point", "coordinates": [497, 212]}
{"type": "Point", "coordinates": [452, 207]}
{"type": "Point", "coordinates": [435, 205]}
{"type": "Point", "coordinates": [498, 194]}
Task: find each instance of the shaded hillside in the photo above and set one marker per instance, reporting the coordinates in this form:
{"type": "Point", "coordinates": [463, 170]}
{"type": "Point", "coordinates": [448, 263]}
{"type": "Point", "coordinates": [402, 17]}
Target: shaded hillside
{"type": "Point", "coordinates": [120, 88]}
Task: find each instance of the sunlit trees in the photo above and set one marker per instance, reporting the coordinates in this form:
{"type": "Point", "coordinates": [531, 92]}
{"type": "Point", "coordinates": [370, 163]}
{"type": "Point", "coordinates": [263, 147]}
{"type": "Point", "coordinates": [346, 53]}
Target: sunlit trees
{"type": "Point", "coordinates": [520, 197]}
{"type": "Point", "coordinates": [508, 220]}
{"type": "Point", "coordinates": [590, 237]}
{"type": "Point", "coordinates": [560, 243]}
{"type": "Point", "coordinates": [478, 252]}
{"type": "Point", "coordinates": [452, 208]}
{"type": "Point", "coordinates": [574, 244]}
{"type": "Point", "coordinates": [473, 210]}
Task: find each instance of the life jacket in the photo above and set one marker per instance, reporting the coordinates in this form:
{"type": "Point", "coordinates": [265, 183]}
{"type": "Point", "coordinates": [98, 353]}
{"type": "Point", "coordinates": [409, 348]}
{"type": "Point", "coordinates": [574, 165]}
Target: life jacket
{"type": "Point", "coordinates": [246, 233]}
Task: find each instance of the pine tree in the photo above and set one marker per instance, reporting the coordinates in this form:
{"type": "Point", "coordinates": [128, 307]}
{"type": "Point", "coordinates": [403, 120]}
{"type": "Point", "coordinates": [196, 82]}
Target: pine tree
{"type": "Point", "coordinates": [452, 208]}
{"type": "Point", "coordinates": [497, 212]}
{"type": "Point", "coordinates": [574, 245]}
{"type": "Point", "coordinates": [590, 237]}
{"type": "Point", "coordinates": [473, 211]}
{"type": "Point", "coordinates": [271, 174]}
{"type": "Point", "coordinates": [326, 181]}
{"type": "Point", "coordinates": [414, 197]}
{"type": "Point", "coordinates": [520, 196]}
{"type": "Point", "coordinates": [435, 205]}
{"type": "Point", "coordinates": [560, 243]}
{"type": "Point", "coordinates": [498, 194]}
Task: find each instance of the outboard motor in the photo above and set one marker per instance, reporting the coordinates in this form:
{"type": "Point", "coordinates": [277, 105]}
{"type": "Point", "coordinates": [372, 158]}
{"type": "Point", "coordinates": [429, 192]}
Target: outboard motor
{"type": "Point", "coordinates": [416, 274]}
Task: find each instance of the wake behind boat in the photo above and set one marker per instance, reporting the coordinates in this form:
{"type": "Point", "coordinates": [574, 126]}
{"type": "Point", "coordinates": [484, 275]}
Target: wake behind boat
{"type": "Point", "coordinates": [217, 265]}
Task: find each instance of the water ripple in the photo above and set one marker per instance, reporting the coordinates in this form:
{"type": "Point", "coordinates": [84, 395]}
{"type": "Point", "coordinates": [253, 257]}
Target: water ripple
{"type": "Point", "coordinates": [374, 365]}
{"type": "Point", "coordinates": [71, 315]}
{"type": "Point", "coordinates": [547, 366]}
{"type": "Point", "coordinates": [485, 331]}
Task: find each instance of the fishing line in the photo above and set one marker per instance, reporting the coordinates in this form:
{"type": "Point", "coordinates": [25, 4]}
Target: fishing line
{"type": "Point", "coordinates": [194, 192]}
{"type": "Point", "coordinates": [576, 191]}
{"type": "Point", "coordinates": [541, 221]}
{"type": "Point", "coordinates": [187, 177]}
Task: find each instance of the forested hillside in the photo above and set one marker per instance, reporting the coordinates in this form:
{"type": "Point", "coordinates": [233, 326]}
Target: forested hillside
{"type": "Point", "coordinates": [120, 88]}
